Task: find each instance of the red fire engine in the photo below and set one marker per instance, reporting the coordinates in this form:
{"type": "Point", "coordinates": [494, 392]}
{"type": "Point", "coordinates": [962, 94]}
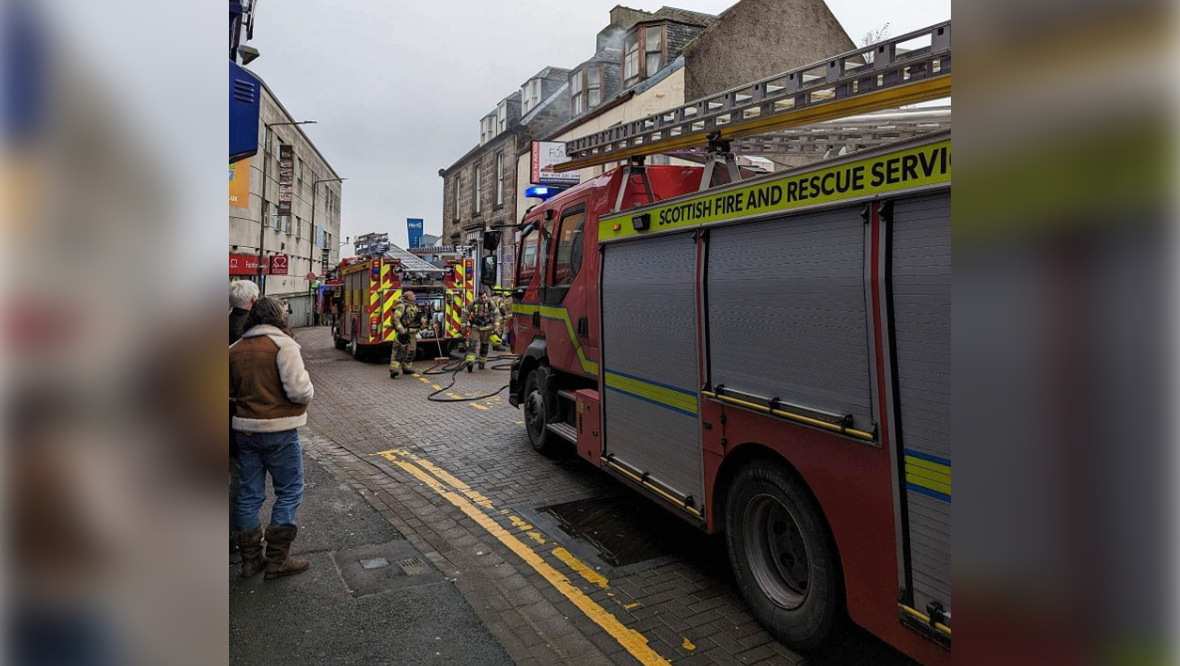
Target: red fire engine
{"type": "Point", "coordinates": [364, 290]}
{"type": "Point", "coordinates": [768, 358]}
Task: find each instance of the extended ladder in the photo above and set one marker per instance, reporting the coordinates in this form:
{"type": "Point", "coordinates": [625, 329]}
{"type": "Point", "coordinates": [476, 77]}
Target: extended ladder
{"type": "Point", "coordinates": [882, 76]}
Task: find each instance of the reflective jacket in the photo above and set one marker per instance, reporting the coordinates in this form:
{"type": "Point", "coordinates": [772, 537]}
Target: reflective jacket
{"type": "Point", "coordinates": [482, 315]}
{"type": "Point", "coordinates": [407, 318]}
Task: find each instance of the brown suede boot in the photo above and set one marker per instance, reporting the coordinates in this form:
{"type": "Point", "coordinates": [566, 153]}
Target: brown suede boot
{"type": "Point", "coordinates": [278, 546]}
{"type": "Point", "coordinates": [250, 543]}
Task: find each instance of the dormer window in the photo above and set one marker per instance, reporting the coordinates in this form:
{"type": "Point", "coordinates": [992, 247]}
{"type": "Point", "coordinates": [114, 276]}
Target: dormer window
{"type": "Point", "coordinates": [653, 49]}
{"type": "Point", "coordinates": [487, 128]}
{"type": "Point", "coordinates": [644, 53]}
{"type": "Point", "coordinates": [502, 116]}
{"type": "Point", "coordinates": [631, 59]}
{"type": "Point", "coordinates": [585, 88]}
{"type": "Point", "coordinates": [530, 96]}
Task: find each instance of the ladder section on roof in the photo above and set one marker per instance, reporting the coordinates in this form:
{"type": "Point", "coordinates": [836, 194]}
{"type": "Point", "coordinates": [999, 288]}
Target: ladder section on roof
{"type": "Point", "coordinates": [836, 136]}
{"type": "Point", "coordinates": [908, 69]}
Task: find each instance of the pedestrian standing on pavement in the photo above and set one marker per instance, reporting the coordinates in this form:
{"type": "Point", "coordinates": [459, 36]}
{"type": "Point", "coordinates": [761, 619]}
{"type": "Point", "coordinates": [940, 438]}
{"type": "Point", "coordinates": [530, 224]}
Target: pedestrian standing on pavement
{"type": "Point", "coordinates": [271, 391]}
{"type": "Point", "coordinates": [481, 319]}
{"type": "Point", "coordinates": [408, 319]}
{"type": "Point", "coordinates": [242, 294]}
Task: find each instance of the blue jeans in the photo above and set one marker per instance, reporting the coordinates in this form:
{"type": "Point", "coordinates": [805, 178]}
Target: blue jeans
{"type": "Point", "coordinates": [279, 454]}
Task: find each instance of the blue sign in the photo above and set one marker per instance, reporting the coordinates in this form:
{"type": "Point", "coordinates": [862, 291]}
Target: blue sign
{"type": "Point", "coordinates": [245, 98]}
{"type": "Point", "coordinates": [320, 236]}
{"type": "Point", "coordinates": [414, 230]}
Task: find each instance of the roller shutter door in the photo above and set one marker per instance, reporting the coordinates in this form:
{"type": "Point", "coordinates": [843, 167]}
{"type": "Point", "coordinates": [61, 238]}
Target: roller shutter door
{"type": "Point", "coordinates": [921, 307]}
{"type": "Point", "coordinates": [649, 354]}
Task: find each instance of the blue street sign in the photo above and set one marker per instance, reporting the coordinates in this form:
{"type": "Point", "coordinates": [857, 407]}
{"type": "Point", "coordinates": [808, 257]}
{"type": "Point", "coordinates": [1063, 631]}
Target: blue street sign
{"type": "Point", "coordinates": [414, 231]}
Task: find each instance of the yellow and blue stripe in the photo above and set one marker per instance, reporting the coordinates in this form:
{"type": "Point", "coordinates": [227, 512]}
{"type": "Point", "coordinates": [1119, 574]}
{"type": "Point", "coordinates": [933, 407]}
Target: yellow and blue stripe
{"type": "Point", "coordinates": [558, 313]}
{"type": "Point", "coordinates": [928, 475]}
{"type": "Point", "coordinates": [661, 395]}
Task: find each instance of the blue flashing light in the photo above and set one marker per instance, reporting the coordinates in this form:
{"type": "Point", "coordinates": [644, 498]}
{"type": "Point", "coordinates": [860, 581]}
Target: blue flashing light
{"type": "Point", "coordinates": [543, 192]}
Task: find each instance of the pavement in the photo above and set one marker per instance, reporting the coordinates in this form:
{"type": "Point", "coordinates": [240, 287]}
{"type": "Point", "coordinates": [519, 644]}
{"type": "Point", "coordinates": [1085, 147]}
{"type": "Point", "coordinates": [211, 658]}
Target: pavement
{"type": "Point", "coordinates": [494, 553]}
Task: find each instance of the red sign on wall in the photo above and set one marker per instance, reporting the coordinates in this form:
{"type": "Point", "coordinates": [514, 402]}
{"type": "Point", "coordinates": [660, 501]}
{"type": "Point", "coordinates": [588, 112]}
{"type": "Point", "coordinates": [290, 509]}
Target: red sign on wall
{"type": "Point", "coordinates": [245, 264]}
{"type": "Point", "coordinates": [278, 264]}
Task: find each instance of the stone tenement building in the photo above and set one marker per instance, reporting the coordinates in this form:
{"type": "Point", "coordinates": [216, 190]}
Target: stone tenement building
{"type": "Point", "coordinates": [480, 187]}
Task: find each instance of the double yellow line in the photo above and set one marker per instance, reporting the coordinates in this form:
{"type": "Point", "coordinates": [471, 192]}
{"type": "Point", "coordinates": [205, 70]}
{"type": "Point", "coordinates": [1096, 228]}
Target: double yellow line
{"type": "Point", "coordinates": [470, 501]}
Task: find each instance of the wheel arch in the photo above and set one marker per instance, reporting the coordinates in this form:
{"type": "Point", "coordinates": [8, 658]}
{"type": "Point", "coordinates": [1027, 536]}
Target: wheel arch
{"type": "Point", "coordinates": [534, 356]}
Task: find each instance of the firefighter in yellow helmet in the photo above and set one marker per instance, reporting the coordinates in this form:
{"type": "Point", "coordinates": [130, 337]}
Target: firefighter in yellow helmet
{"type": "Point", "coordinates": [407, 320]}
{"type": "Point", "coordinates": [481, 318]}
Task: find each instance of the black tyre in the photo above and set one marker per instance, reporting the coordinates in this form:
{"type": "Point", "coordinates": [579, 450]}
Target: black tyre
{"type": "Point", "coordinates": [337, 340]}
{"type": "Point", "coordinates": [782, 555]}
{"type": "Point", "coordinates": [536, 413]}
{"type": "Point", "coordinates": [354, 349]}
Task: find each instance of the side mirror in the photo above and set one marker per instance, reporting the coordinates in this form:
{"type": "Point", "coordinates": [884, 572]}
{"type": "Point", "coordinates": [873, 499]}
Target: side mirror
{"type": "Point", "coordinates": [487, 271]}
{"type": "Point", "coordinates": [491, 239]}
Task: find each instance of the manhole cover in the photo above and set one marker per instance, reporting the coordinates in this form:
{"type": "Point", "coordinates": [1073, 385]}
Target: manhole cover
{"type": "Point", "coordinates": [374, 563]}
{"type": "Point", "coordinates": [624, 531]}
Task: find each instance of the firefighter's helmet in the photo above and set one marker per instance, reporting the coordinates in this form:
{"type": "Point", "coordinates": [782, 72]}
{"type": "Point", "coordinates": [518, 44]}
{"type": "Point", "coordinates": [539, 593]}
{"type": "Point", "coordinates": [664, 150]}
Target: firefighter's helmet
{"type": "Point", "coordinates": [496, 340]}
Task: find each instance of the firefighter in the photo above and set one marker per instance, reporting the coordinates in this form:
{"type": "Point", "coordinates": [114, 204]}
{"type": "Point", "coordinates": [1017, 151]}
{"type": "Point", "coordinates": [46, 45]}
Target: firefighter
{"type": "Point", "coordinates": [482, 319]}
{"type": "Point", "coordinates": [408, 320]}
{"type": "Point", "coordinates": [506, 317]}
{"type": "Point", "coordinates": [497, 301]}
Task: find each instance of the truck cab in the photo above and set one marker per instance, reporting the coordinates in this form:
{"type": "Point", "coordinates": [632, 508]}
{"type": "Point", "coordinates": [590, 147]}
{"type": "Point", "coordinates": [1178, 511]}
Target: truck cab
{"type": "Point", "coordinates": [555, 313]}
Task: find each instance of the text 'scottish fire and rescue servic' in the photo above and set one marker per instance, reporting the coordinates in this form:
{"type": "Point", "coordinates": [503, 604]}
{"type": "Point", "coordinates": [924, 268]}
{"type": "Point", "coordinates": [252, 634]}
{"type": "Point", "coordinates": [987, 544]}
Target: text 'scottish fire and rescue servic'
{"type": "Point", "coordinates": [904, 170]}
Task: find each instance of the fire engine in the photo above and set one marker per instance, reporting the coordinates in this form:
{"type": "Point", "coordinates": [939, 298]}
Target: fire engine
{"type": "Point", "coordinates": [366, 288]}
{"type": "Point", "coordinates": [767, 358]}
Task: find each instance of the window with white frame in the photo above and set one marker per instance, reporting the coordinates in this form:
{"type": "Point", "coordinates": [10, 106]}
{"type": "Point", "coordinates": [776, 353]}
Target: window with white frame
{"type": "Point", "coordinates": [502, 116]}
{"type": "Point", "coordinates": [475, 191]}
{"type": "Point", "coordinates": [577, 100]}
{"type": "Point", "coordinates": [530, 96]}
{"type": "Point", "coordinates": [499, 179]}
{"type": "Point", "coordinates": [299, 170]}
{"type": "Point", "coordinates": [487, 128]}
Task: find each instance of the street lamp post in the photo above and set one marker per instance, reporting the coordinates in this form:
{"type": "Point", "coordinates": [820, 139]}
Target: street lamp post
{"type": "Point", "coordinates": [262, 218]}
{"type": "Point", "coordinates": [314, 198]}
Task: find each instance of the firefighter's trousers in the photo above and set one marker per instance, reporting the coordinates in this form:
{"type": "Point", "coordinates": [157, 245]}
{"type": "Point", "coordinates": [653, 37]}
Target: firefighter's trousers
{"type": "Point", "coordinates": [478, 342]}
{"type": "Point", "coordinates": [403, 353]}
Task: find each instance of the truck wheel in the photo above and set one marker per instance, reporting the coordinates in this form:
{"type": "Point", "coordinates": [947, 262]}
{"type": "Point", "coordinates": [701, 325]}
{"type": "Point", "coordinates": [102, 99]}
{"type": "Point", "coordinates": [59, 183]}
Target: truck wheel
{"type": "Point", "coordinates": [782, 555]}
{"type": "Point", "coordinates": [339, 342]}
{"type": "Point", "coordinates": [536, 413]}
{"type": "Point", "coordinates": [354, 349]}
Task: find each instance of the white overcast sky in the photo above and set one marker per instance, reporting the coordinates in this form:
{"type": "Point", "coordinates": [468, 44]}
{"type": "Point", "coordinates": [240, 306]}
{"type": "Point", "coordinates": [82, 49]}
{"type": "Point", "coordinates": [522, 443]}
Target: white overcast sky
{"type": "Point", "coordinates": [398, 87]}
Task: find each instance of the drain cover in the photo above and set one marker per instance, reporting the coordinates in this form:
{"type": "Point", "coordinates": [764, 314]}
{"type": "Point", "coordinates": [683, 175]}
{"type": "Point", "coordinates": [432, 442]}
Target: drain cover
{"type": "Point", "coordinates": [381, 567]}
{"type": "Point", "coordinates": [413, 566]}
{"type": "Point", "coordinates": [624, 531]}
